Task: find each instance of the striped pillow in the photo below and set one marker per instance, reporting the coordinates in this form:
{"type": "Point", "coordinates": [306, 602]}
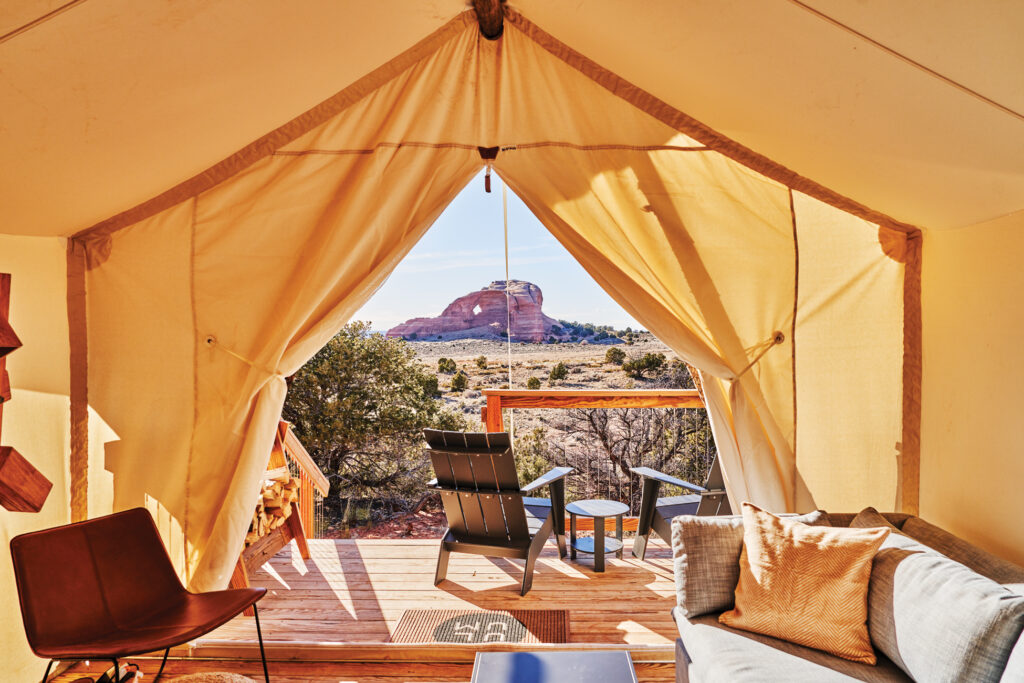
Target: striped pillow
{"type": "Point", "coordinates": [807, 585]}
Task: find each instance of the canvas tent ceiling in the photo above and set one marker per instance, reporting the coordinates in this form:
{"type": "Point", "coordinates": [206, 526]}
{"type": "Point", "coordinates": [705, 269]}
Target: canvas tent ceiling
{"type": "Point", "coordinates": [138, 122]}
{"type": "Point", "coordinates": [166, 89]}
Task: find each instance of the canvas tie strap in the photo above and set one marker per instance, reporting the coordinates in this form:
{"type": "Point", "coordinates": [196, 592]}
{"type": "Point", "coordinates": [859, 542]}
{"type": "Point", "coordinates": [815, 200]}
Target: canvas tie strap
{"type": "Point", "coordinates": [777, 338]}
{"type": "Point", "coordinates": [212, 342]}
{"type": "Point", "coordinates": [488, 154]}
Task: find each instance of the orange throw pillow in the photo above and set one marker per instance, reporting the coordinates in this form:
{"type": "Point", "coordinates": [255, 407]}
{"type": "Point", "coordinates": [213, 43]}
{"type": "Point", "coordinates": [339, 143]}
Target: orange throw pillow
{"type": "Point", "coordinates": [805, 584]}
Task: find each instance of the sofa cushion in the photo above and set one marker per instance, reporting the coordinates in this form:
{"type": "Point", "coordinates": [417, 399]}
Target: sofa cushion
{"type": "Point", "coordinates": [845, 518]}
{"type": "Point", "coordinates": [806, 584]}
{"type": "Point", "coordinates": [706, 556]}
{"type": "Point", "coordinates": [869, 518]}
{"type": "Point", "coordinates": [955, 548]}
{"type": "Point", "coordinates": [938, 620]}
{"type": "Point", "coordinates": [722, 654]}
{"type": "Point", "coordinates": [1014, 672]}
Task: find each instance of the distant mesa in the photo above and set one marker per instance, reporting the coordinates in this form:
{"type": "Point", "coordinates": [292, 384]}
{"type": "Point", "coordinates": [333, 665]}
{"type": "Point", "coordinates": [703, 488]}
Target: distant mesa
{"type": "Point", "coordinates": [482, 314]}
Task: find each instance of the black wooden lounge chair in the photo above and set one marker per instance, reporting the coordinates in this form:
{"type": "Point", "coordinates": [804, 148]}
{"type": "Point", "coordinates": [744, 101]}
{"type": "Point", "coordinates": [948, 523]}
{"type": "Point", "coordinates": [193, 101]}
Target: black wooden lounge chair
{"type": "Point", "coordinates": [656, 513]}
{"type": "Point", "coordinates": [488, 512]}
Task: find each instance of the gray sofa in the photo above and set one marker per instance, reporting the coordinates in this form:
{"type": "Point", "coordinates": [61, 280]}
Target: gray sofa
{"type": "Point", "coordinates": [940, 609]}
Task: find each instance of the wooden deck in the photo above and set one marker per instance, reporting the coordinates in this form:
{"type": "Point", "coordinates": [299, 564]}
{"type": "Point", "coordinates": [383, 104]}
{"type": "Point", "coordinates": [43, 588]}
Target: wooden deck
{"type": "Point", "coordinates": [330, 672]}
{"type": "Point", "coordinates": [345, 602]}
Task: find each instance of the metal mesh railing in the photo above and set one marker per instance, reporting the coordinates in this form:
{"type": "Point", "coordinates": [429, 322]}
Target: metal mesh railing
{"type": "Point", "coordinates": [603, 444]}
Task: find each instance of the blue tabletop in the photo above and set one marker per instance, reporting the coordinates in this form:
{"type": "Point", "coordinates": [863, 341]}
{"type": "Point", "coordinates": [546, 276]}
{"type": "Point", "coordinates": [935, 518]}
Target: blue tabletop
{"type": "Point", "coordinates": [593, 666]}
{"type": "Point", "coordinates": [597, 508]}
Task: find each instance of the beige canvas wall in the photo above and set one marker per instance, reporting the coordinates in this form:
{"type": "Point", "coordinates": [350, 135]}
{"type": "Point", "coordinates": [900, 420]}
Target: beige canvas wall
{"type": "Point", "coordinates": [972, 450]}
{"type": "Point", "coordinates": [36, 419]}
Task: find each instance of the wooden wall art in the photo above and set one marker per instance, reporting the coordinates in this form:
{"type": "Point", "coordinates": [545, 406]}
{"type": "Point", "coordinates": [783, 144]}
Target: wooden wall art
{"type": "Point", "coordinates": [23, 488]}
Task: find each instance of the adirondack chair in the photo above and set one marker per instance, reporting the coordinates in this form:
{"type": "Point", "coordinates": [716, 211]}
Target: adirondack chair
{"type": "Point", "coordinates": [488, 512]}
{"type": "Point", "coordinates": [656, 513]}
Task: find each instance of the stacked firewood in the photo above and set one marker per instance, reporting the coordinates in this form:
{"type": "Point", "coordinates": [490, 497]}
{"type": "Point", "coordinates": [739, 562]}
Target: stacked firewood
{"type": "Point", "coordinates": [273, 507]}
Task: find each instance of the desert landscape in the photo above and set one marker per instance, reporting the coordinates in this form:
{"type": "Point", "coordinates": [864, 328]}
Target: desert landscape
{"type": "Point", "coordinates": [587, 366]}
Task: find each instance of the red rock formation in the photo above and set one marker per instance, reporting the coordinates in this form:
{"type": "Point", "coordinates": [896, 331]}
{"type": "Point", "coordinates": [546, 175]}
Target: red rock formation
{"type": "Point", "coordinates": [483, 314]}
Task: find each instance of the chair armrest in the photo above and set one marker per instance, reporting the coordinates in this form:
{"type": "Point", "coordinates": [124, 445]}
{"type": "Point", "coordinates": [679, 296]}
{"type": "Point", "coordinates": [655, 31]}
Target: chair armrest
{"type": "Point", "coordinates": [648, 473]}
{"type": "Point", "coordinates": [549, 477]}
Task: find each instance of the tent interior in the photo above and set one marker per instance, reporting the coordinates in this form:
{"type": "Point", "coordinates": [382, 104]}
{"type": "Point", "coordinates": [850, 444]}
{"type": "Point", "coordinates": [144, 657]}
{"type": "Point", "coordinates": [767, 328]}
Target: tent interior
{"type": "Point", "coordinates": [819, 205]}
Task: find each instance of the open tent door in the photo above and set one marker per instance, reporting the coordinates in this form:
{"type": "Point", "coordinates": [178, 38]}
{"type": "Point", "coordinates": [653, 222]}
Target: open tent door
{"type": "Point", "coordinates": [201, 300]}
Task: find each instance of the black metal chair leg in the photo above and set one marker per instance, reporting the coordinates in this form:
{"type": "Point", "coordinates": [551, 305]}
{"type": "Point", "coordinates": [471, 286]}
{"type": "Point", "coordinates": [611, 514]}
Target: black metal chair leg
{"type": "Point", "coordinates": [259, 635]}
{"type": "Point", "coordinates": [164, 662]}
{"type": "Point", "coordinates": [48, 667]}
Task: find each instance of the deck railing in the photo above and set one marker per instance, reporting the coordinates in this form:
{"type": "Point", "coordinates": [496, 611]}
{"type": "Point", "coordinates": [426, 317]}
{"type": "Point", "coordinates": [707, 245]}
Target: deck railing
{"type": "Point", "coordinates": [314, 484]}
{"type": "Point", "coordinates": [596, 474]}
{"type": "Point", "coordinates": [497, 399]}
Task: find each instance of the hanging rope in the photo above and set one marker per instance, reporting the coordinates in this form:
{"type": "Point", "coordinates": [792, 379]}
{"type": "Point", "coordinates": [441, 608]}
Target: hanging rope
{"type": "Point", "coordinates": [508, 309]}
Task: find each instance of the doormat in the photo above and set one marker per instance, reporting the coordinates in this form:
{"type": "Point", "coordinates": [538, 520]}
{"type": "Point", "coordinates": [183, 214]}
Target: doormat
{"type": "Point", "coordinates": [479, 626]}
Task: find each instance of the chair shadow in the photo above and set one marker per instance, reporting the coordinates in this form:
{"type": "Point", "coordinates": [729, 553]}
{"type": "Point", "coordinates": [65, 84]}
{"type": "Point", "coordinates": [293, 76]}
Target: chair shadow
{"type": "Point", "coordinates": [594, 589]}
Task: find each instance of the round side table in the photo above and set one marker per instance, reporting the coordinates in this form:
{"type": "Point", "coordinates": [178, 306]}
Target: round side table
{"type": "Point", "coordinates": [598, 510]}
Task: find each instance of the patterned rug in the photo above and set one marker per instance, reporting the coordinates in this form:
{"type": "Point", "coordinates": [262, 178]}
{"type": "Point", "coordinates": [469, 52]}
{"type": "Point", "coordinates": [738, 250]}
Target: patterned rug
{"type": "Point", "coordinates": [480, 626]}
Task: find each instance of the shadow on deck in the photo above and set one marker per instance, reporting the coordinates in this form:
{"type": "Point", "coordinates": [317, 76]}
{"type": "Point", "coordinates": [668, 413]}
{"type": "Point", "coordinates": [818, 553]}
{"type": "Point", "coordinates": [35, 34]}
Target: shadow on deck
{"type": "Point", "coordinates": [345, 602]}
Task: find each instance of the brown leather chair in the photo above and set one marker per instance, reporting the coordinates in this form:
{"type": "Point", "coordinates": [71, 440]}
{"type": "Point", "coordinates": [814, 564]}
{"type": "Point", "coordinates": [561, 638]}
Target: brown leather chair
{"type": "Point", "coordinates": [105, 589]}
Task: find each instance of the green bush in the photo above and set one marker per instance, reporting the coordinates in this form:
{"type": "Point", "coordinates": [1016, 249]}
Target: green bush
{"type": "Point", "coordinates": [615, 355]}
{"type": "Point", "coordinates": [560, 371]}
{"type": "Point", "coordinates": [533, 455]}
{"type": "Point", "coordinates": [481, 362]}
{"type": "Point", "coordinates": [649, 362]}
{"type": "Point", "coordinates": [446, 365]}
{"type": "Point", "coordinates": [533, 383]}
{"type": "Point", "coordinates": [460, 381]}
{"type": "Point", "coordinates": [359, 407]}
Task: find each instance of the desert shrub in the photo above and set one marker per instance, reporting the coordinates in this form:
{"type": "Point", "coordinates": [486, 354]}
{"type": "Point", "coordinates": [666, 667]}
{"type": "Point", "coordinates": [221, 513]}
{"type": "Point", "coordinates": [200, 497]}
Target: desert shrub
{"type": "Point", "coordinates": [560, 371]}
{"type": "Point", "coordinates": [615, 355]}
{"type": "Point", "coordinates": [446, 365]}
{"type": "Point", "coordinates": [481, 361]}
{"type": "Point", "coordinates": [533, 383]}
{"type": "Point", "coordinates": [460, 380]}
{"type": "Point", "coordinates": [552, 340]}
{"type": "Point", "coordinates": [430, 386]}
{"type": "Point", "coordinates": [649, 362]}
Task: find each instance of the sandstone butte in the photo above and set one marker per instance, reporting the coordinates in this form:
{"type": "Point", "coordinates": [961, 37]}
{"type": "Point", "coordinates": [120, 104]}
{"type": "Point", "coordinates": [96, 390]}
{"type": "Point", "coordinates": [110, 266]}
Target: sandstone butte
{"type": "Point", "coordinates": [482, 314]}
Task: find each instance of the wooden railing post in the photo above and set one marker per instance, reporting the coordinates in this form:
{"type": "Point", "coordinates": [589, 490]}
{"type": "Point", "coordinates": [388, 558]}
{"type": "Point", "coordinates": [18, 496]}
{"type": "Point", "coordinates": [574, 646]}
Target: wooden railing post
{"type": "Point", "coordinates": [492, 415]}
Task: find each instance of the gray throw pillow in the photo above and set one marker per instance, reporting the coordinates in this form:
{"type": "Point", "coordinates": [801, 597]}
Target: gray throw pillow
{"type": "Point", "coordinates": [938, 620]}
{"type": "Point", "coordinates": [706, 559]}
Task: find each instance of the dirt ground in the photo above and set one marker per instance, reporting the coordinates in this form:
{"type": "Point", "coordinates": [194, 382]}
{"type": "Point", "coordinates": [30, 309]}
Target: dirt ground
{"type": "Point", "coordinates": [586, 363]}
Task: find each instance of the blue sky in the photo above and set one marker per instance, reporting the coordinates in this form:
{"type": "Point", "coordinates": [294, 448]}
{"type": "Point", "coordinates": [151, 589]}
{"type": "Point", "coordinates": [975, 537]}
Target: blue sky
{"type": "Point", "coordinates": [464, 251]}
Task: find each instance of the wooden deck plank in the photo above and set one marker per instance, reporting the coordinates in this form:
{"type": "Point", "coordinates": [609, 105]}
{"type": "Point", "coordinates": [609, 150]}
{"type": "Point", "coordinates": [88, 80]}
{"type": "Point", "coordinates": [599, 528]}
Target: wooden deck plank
{"type": "Point", "coordinates": [351, 594]}
{"type": "Point", "coordinates": [332, 672]}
